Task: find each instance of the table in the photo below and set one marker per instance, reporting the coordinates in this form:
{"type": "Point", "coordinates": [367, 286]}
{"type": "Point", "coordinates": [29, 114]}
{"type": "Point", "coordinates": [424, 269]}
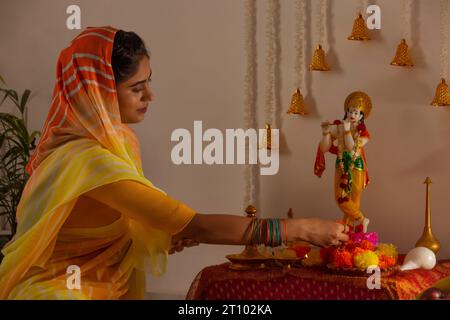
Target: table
{"type": "Point", "coordinates": [219, 282]}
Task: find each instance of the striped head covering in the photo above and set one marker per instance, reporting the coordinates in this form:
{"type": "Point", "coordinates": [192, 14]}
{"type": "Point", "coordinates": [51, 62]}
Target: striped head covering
{"type": "Point", "coordinates": [84, 103]}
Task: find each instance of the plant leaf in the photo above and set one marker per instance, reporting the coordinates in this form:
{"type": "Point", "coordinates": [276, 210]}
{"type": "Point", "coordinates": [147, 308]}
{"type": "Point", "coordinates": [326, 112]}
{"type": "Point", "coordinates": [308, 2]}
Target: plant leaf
{"type": "Point", "coordinates": [23, 101]}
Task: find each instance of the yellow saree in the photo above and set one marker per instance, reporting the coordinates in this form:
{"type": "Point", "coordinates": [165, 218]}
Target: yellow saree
{"type": "Point", "coordinates": [84, 145]}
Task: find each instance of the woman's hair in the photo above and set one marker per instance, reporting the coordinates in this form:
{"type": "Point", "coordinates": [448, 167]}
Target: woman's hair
{"type": "Point", "coordinates": [127, 51]}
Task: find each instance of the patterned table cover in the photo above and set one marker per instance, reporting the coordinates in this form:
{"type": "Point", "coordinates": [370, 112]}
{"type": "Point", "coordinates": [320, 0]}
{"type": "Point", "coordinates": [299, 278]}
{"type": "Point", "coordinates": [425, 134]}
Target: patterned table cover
{"type": "Point", "coordinates": [308, 283]}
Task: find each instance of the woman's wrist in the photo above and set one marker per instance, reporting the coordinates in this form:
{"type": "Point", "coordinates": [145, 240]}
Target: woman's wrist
{"type": "Point", "coordinates": [296, 229]}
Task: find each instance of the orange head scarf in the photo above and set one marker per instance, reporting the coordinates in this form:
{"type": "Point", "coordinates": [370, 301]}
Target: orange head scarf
{"type": "Point", "coordinates": [85, 103]}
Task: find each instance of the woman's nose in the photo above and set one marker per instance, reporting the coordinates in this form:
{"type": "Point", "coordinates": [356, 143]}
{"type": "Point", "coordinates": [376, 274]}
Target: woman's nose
{"type": "Point", "coordinates": [149, 95]}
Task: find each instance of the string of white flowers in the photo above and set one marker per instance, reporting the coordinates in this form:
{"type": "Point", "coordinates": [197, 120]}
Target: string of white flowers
{"type": "Point", "coordinates": [300, 44]}
{"type": "Point", "coordinates": [271, 15]}
{"type": "Point", "coordinates": [444, 38]}
{"type": "Point", "coordinates": [362, 7]}
{"type": "Point", "coordinates": [407, 9]}
{"type": "Point", "coordinates": [250, 195]}
{"type": "Point", "coordinates": [321, 11]}
{"type": "Point", "coordinates": [365, 5]}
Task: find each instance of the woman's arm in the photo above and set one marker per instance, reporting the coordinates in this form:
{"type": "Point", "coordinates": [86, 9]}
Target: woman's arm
{"type": "Point", "coordinates": [150, 206]}
{"type": "Point", "coordinates": [236, 230]}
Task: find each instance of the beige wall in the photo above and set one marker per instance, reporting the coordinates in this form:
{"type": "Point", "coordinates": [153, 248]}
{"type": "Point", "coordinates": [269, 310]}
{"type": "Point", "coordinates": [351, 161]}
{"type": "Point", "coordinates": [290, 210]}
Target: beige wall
{"type": "Point", "coordinates": [198, 66]}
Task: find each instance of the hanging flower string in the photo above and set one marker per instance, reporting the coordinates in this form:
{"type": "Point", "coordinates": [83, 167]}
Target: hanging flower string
{"type": "Point", "coordinates": [297, 105]}
{"type": "Point", "coordinates": [362, 7]}
{"type": "Point", "coordinates": [270, 61]}
{"type": "Point", "coordinates": [442, 95]}
{"type": "Point", "coordinates": [321, 21]}
{"type": "Point", "coordinates": [300, 44]}
{"type": "Point", "coordinates": [318, 62]}
{"type": "Point", "coordinates": [250, 121]}
{"type": "Point", "coordinates": [407, 9]}
{"type": "Point", "coordinates": [444, 39]}
{"type": "Point", "coordinates": [402, 57]}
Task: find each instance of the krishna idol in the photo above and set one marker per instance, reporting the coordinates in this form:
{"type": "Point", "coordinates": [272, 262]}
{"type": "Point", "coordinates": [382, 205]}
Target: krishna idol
{"type": "Point", "coordinates": [346, 139]}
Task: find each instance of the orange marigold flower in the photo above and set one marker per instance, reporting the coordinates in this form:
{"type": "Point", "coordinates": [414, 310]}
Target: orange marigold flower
{"type": "Point", "coordinates": [357, 250]}
{"type": "Point", "coordinates": [342, 259]}
{"type": "Point", "coordinates": [386, 262]}
{"type": "Point", "coordinates": [367, 245]}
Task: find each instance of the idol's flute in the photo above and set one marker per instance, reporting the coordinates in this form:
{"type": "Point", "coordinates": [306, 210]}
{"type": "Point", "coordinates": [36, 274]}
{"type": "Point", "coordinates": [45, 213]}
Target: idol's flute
{"type": "Point", "coordinates": [328, 124]}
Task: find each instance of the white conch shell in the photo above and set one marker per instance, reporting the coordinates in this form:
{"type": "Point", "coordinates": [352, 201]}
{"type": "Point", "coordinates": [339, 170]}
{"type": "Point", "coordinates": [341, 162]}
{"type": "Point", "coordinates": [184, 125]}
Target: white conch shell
{"type": "Point", "coordinates": [419, 257]}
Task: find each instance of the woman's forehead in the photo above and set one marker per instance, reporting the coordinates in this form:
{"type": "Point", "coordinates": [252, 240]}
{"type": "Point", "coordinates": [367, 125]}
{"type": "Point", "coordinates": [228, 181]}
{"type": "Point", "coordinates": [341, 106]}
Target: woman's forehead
{"type": "Point", "coordinates": [143, 72]}
{"type": "Point", "coordinates": [144, 69]}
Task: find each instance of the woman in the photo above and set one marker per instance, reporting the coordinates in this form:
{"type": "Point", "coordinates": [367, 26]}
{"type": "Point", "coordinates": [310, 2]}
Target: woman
{"type": "Point", "coordinates": [87, 202]}
{"type": "Point", "coordinates": [346, 139]}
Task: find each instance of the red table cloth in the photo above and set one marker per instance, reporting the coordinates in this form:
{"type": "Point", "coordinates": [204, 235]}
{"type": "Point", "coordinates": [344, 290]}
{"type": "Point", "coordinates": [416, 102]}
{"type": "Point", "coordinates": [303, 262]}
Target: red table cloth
{"type": "Point", "coordinates": [308, 283]}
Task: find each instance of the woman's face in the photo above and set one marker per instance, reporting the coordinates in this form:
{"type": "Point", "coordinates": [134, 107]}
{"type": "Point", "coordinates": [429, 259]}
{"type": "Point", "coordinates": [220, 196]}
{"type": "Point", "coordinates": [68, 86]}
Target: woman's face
{"type": "Point", "coordinates": [135, 94]}
{"type": "Point", "coordinates": [354, 115]}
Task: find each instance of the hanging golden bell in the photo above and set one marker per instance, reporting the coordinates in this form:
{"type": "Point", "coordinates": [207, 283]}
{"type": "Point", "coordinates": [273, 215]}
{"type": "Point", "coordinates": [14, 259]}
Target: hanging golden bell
{"type": "Point", "coordinates": [402, 58]}
{"type": "Point", "coordinates": [360, 31]}
{"type": "Point", "coordinates": [442, 95]}
{"type": "Point", "coordinates": [267, 138]}
{"type": "Point", "coordinates": [297, 104]}
{"type": "Point", "coordinates": [427, 239]}
{"type": "Point", "coordinates": [318, 62]}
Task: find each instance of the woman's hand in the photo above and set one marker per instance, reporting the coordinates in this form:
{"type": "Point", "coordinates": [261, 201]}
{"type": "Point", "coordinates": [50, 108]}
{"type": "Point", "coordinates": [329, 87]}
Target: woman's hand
{"type": "Point", "coordinates": [322, 233]}
{"type": "Point", "coordinates": [179, 245]}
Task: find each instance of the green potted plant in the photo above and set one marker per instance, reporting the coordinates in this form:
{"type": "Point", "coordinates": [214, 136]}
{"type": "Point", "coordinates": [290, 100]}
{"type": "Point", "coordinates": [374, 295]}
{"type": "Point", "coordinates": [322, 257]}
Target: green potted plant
{"type": "Point", "coordinates": [16, 144]}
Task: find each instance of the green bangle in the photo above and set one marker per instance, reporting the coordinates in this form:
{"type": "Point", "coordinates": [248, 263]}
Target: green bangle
{"type": "Point", "coordinates": [277, 232]}
{"type": "Point", "coordinates": [271, 232]}
{"type": "Point", "coordinates": [275, 238]}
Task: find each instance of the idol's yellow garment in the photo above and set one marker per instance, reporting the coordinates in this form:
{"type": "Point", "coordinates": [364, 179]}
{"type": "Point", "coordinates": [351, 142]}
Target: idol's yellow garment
{"type": "Point", "coordinates": [111, 258]}
{"type": "Point", "coordinates": [351, 207]}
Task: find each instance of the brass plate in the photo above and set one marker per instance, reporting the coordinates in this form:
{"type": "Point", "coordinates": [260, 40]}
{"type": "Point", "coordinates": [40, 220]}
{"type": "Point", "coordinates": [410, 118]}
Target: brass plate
{"type": "Point", "coordinates": [238, 259]}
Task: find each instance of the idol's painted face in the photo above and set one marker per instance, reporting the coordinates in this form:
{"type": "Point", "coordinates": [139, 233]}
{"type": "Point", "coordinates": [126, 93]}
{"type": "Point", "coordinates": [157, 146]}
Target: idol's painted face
{"type": "Point", "coordinates": [135, 93]}
{"type": "Point", "coordinates": [354, 115]}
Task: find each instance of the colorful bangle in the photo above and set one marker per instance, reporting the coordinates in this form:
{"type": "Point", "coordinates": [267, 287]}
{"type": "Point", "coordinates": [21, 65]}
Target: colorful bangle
{"type": "Point", "coordinates": [255, 238]}
{"type": "Point", "coordinates": [274, 234]}
{"type": "Point", "coordinates": [280, 238]}
{"type": "Point", "coordinates": [270, 232]}
{"type": "Point", "coordinates": [263, 231]}
{"type": "Point", "coordinates": [277, 233]}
